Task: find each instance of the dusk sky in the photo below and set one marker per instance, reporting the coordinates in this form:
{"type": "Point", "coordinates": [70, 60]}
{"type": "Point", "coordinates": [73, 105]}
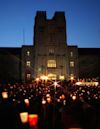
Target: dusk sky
{"type": "Point", "coordinates": [82, 18]}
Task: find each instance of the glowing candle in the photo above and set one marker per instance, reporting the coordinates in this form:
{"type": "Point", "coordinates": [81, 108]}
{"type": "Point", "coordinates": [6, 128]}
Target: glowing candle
{"type": "Point", "coordinates": [47, 95]}
{"type": "Point", "coordinates": [49, 100]}
{"type": "Point", "coordinates": [43, 101]}
{"type": "Point", "coordinates": [74, 97]}
{"type": "Point", "coordinates": [26, 101]}
{"type": "Point", "coordinates": [33, 119]}
{"type": "Point", "coordinates": [24, 117]}
{"type": "Point", "coordinates": [37, 80]}
{"type": "Point", "coordinates": [5, 95]}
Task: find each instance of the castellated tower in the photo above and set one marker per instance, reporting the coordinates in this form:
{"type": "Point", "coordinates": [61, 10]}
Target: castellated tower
{"type": "Point", "coordinates": [51, 50]}
{"type": "Point", "coordinates": [49, 55]}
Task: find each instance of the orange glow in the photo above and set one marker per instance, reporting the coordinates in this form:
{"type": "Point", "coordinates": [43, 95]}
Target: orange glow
{"type": "Point", "coordinates": [72, 78]}
{"type": "Point", "coordinates": [62, 96]}
{"type": "Point", "coordinates": [37, 80]}
{"type": "Point", "coordinates": [74, 97]}
{"type": "Point", "coordinates": [58, 100]}
{"type": "Point", "coordinates": [43, 101]}
{"type": "Point", "coordinates": [49, 100]}
{"type": "Point", "coordinates": [44, 77]}
{"type": "Point", "coordinates": [33, 119]}
{"type": "Point", "coordinates": [83, 83]}
{"type": "Point", "coordinates": [47, 95]}
{"type": "Point", "coordinates": [5, 95]}
{"type": "Point", "coordinates": [26, 101]}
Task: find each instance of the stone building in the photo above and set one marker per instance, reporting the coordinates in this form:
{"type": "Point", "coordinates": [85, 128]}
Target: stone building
{"type": "Point", "coordinates": [50, 55]}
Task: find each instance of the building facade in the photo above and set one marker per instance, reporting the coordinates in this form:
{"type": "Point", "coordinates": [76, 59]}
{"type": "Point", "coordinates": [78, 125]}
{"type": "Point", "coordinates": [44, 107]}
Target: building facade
{"type": "Point", "coordinates": [50, 55]}
{"type": "Point", "coordinates": [51, 49]}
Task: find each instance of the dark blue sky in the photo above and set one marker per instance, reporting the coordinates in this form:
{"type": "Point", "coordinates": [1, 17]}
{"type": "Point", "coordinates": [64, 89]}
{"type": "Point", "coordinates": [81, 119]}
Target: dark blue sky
{"type": "Point", "coordinates": [83, 20]}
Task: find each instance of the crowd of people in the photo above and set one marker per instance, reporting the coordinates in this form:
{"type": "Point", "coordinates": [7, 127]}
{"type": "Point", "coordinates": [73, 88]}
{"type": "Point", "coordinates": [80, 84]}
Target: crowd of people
{"type": "Point", "coordinates": [58, 104]}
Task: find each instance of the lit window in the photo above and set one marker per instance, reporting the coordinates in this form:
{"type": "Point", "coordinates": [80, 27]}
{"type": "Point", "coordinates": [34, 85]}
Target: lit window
{"type": "Point", "coordinates": [39, 69]}
{"type": "Point", "coordinates": [52, 76]}
{"type": "Point", "coordinates": [71, 54]}
{"type": "Point", "coordinates": [61, 77]}
{"type": "Point", "coordinates": [28, 63]}
{"type": "Point", "coordinates": [51, 63]}
{"type": "Point", "coordinates": [71, 63]}
{"type": "Point", "coordinates": [28, 53]}
{"type": "Point", "coordinates": [28, 76]}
